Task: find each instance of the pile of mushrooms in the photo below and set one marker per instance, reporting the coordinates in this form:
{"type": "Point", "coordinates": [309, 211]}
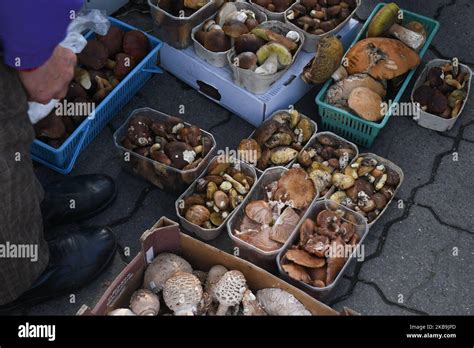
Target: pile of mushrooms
{"type": "Point", "coordinates": [269, 222]}
{"type": "Point", "coordinates": [322, 248]}
{"type": "Point", "coordinates": [171, 280]}
{"type": "Point", "coordinates": [366, 186]}
{"type": "Point", "coordinates": [265, 51]}
{"type": "Point", "coordinates": [325, 159]}
{"type": "Point", "coordinates": [373, 62]}
{"type": "Point", "coordinates": [277, 141]}
{"type": "Point", "coordinates": [277, 6]}
{"type": "Point", "coordinates": [318, 17]}
{"type": "Point", "coordinates": [444, 92]}
{"type": "Point", "coordinates": [103, 63]}
{"type": "Point", "coordinates": [172, 143]}
{"type": "Point", "coordinates": [217, 194]}
{"type": "Point", "coordinates": [181, 8]}
{"type": "Point", "coordinates": [218, 34]}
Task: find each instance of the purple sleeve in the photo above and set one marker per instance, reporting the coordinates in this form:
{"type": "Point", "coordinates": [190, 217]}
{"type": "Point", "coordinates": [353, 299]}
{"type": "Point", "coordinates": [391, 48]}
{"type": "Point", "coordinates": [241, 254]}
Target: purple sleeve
{"type": "Point", "coordinates": [30, 30]}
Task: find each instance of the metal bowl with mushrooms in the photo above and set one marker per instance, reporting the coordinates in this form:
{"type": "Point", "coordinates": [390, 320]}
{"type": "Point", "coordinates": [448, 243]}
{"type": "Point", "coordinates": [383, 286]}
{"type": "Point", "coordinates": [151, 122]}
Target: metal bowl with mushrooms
{"type": "Point", "coordinates": [324, 158]}
{"type": "Point", "coordinates": [268, 217]}
{"type": "Point", "coordinates": [317, 19]}
{"type": "Point", "coordinates": [172, 287]}
{"type": "Point", "coordinates": [275, 9]}
{"type": "Point", "coordinates": [319, 254]}
{"type": "Point", "coordinates": [164, 150]}
{"type": "Point", "coordinates": [278, 140]}
{"type": "Point", "coordinates": [210, 201]}
{"type": "Point", "coordinates": [367, 186]}
{"type": "Point", "coordinates": [261, 57]}
{"type": "Point", "coordinates": [215, 37]}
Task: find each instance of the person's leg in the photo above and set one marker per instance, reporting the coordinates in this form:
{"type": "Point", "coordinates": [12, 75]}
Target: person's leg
{"type": "Point", "coordinates": [21, 227]}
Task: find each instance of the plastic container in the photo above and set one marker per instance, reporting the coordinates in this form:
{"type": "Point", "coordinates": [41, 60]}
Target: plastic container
{"type": "Point", "coordinates": [63, 159]}
{"type": "Point", "coordinates": [164, 177]}
{"type": "Point", "coordinates": [264, 259]}
{"type": "Point", "coordinates": [176, 31]}
{"type": "Point", "coordinates": [311, 40]}
{"type": "Point", "coordinates": [219, 59]}
{"type": "Point", "coordinates": [387, 164]}
{"type": "Point", "coordinates": [351, 126]}
{"type": "Point", "coordinates": [362, 230]}
{"type": "Point", "coordinates": [347, 143]}
{"type": "Point", "coordinates": [208, 234]}
{"type": "Point", "coordinates": [315, 127]}
{"type": "Point", "coordinates": [248, 79]}
{"type": "Point", "coordinates": [273, 16]}
{"type": "Point", "coordinates": [435, 122]}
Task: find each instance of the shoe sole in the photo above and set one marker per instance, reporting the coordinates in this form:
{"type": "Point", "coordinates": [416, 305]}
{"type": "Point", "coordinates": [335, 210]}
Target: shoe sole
{"type": "Point", "coordinates": [36, 301]}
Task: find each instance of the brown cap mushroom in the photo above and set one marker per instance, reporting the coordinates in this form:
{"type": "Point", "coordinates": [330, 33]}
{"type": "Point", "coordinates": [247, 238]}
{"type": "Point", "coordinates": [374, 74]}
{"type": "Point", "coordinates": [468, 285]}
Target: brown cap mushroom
{"type": "Point", "coordinates": [216, 41]}
{"type": "Point", "coordinates": [279, 302]}
{"type": "Point", "coordinates": [144, 302]}
{"type": "Point", "coordinates": [296, 188]}
{"type": "Point", "coordinates": [284, 226]}
{"type": "Point", "coordinates": [366, 103]}
{"type": "Point", "coordinates": [112, 40]}
{"type": "Point", "coordinates": [260, 212]}
{"type": "Point", "coordinates": [234, 28]}
{"type": "Point", "coordinates": [229, 290]}
{"type": "Point", "coordinates": [248, 43]}
{"type": "Point", "coordinates": [273, 57]}
{"type": "Point", "coordinates": [182, 293]}
{"type": "Point", "coordinates": [162, 268]}
{"type": "Point", "coordinates": [305, 259]}
{"type": "Point", "coordinates": [385, 22]}
{"type": "Point", "coordinates": [247, 60]}
{"type": "Point", "coordinates": [296, 272]}
{"type": "Point", "coordinates": [136, 44]}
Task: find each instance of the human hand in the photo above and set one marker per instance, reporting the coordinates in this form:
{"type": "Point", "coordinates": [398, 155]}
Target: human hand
{"type": "Point", "coordinates": [51, 80]}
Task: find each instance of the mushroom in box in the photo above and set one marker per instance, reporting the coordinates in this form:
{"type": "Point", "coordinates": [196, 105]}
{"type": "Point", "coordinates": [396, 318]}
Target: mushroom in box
{"type": "Point", "coordinates": [277, 6]}
{"type": "Point", "coordinates": [182, 8]}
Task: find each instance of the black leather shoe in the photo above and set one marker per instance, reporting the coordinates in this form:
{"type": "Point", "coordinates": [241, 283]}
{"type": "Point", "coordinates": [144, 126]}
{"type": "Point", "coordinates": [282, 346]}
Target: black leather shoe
{"type": "Point", "coordinates": [75, 260]}
{"type": "Point", "coordinates": [77, 198]}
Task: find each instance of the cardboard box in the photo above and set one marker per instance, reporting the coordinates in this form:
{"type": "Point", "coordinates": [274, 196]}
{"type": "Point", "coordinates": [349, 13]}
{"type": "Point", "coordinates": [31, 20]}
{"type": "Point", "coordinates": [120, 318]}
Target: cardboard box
{"type": "Point", "coordinates": [165, 236]}
{"type": "Point", "coordinates": [217, 83]}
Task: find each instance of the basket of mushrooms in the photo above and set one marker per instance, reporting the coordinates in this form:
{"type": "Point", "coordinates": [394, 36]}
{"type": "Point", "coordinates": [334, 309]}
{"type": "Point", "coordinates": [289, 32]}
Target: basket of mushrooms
{"type": "Point", "coordinates": [214, 38]}
{"type": "Point", "coordinates": [172, 287]}
{"type": "Point", "coordinates": [319, 18]}
{"type": "Point", "coordinates": [275, 9]}
{"type": "Point", "coordinates": [261, 57]}
{"type": "Point", "coordinates": [440, 93]}
{"type": "Point", "coordinates": [321, 252]}
{"type": "Point", "coordinates": [268, 217]}
{"type": "Point", "coordinates": [277, 141]}
{"type": "Point", "coordinates": [164, 150]}
{"type": "Point", "coordinates": [210, 201]}
{"type": "Point", "coordinates": [367, 186]}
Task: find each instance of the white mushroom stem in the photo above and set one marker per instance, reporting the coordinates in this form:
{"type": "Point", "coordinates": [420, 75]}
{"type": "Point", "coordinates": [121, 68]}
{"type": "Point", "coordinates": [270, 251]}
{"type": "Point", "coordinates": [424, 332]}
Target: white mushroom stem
{"type": "Point", "coordinates": [222, 309]}
{"type": "Point", "coordinates": [270, 66]}
{"type": "Point", "coordinates": [411, 38]}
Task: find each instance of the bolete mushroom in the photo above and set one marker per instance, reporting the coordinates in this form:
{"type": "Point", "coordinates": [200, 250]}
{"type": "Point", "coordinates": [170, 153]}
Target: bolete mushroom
{"type": "Point", "coordinates": [180, 154]}
{"type": "Point", "coordinates": [162, 268]}
{"type": "Point", "coordinates": [229, 290]}
{"type": "Point", "coordinates": [248, 43]}
{"type": "Point", "coordinates": [271, 36]}
{"type": "Point", "coordinates": [273, 57]}
{"type": "Point", "coordinates": [234, 28]}
{"type": "Point", "coordinates": [247, 60]}
{"type": "Point", "coordinates": [124, 63]}
{"type": "Point", "coordinates": [216, 40]}
{"type": "Point", "coordinates": [112, 40]}
{"type": "Point", "coordinates": [94, 55]}
{"type": "Point", "coordinates": [182, 293]}
{"type": "Point", "coordinates": [136, 44]}
{"type": "Point", "coordinates": [385, 22]}
{"type": "Point", "coordinates": [366, 103]}
{"type": "Point", "coordinates": [328, 57]}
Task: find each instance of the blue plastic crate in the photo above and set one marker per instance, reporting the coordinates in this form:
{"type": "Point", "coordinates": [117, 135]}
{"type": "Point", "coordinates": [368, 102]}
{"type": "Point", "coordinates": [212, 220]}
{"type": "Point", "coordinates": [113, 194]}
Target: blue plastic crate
{"type": "Point", "coordinates": [63, 158]}
{"type": "Point", "coordinates": [351, 126]}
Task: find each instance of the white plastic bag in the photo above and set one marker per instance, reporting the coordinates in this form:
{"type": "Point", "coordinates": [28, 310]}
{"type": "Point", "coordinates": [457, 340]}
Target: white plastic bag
{"type": "Point", "coordinates": [93, 20]}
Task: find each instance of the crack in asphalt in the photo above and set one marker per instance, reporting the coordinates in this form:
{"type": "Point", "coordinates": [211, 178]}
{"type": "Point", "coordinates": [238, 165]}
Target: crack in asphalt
{"type": "Point", "coordinates": [443, 223]}
{"type": "Point", "coordinates": [441, 8]}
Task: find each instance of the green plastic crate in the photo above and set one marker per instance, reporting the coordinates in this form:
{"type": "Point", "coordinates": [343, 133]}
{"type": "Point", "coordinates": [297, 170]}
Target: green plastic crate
{"type": "Point", "coordinates": [351, 126]}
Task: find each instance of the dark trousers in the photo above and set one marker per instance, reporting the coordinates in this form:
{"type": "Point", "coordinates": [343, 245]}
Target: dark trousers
{"type": "Point", "coordinates": [21, 223]}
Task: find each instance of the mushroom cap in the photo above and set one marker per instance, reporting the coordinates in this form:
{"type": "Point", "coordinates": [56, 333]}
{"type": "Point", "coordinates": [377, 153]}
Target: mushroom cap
{"type": "Point", "coordinates": [216, 41]}
{"type": "Point", "coordinates": [383, 20]}
{"type": "Point", "coordinates": [284, 225]}
{"type": "Point", "coordinates": [296, 187]}
{"type": "Point", "coordinates": [234, 28]}
{"type": "Point", "coordinates": [265, 131]}
{"type": "Point", "coordinates": [366, 104]}
{"type": "Point", "coordinates": [230, 289]}
{"type": "Point", "coordinates": [213, 276]}
{"type": "Point", "coordinates": [271, 36]}
{"type": "Point", "coordinates": [279, 302]}
{"type": "Point", "coordinates": [302, 258]}
{"type": "Point", "coordinates": [284, 55]}
{"type": "Point", "coordinates": [94, 55]}
{"type": "Point", "coordinates": [182, 293]}
{"type": "Point", "coordinates": [259, 211]}
{"type": "Point", "coordinates": [162, 268]}
{"type": "Point", "coordinates": [144, 302]}
{"type": "Point", "coordinates": [247, 60]}
{"type": "Point", "coordinates": [248, 43]}
{"type": "Point", "coordinates": [296, 272]}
